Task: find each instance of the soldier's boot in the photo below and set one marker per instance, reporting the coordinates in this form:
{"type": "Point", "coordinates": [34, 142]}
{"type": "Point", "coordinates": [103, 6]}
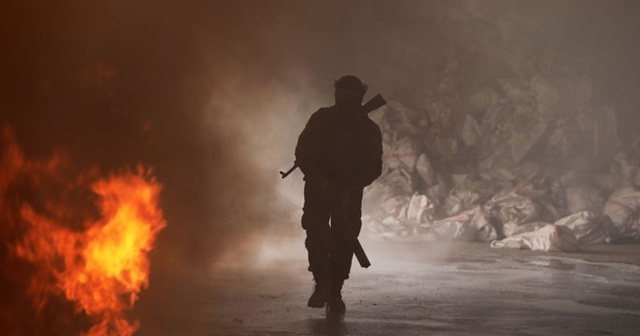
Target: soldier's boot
{"type": "Point", "coordinates": [336, 305]}
{"type": "Point", "coordinates": [320, 293]}
{"type": "Point", "coordinates": [319, 296]}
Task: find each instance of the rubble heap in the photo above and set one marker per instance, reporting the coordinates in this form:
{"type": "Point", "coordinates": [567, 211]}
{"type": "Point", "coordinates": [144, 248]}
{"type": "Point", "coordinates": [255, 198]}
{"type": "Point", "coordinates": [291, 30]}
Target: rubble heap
{"type": "Point", "coordinates": [524, 151]}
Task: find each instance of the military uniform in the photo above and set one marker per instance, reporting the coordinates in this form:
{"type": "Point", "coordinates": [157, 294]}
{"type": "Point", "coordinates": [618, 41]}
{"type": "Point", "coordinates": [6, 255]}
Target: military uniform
{"type": "Point", "coordinates": [342, 146]}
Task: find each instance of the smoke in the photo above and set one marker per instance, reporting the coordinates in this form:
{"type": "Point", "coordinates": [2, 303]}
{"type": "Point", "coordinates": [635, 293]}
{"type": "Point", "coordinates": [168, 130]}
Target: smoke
{"type": "Point", "coordinates": [214, 94]}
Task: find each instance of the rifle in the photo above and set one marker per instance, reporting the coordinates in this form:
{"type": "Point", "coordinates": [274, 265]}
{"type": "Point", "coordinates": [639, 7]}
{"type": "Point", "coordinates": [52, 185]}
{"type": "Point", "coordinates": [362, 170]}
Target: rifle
{"type": "Point", "coordinates": [370, 106]}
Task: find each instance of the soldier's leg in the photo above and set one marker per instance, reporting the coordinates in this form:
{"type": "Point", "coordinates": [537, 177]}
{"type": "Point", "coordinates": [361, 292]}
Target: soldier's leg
{"type": "Point", "coordinates": [341, 253]}
{"type": "Point", "coordinates": [315, 221]}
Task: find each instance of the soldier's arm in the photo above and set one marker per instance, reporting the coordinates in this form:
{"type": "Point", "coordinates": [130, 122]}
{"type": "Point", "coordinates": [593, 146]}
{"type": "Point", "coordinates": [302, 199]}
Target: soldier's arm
{"type": "Point", "coordinates": [370, 165]}
{"type": "Point", "coordinates": [373, 160]}
{"type": "Point", "coordinates": [306, 150]}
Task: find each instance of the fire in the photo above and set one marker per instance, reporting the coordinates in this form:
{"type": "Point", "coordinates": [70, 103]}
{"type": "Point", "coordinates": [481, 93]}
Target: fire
{"type": "Point", "coordinates": [103, 266]}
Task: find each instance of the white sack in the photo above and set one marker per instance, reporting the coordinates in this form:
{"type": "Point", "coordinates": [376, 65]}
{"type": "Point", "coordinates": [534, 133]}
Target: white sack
{"type": "Point", "coordinates": [420, 209]}
{"type": "Point", "coordinates": [551, 238]}
{"type": "Point", "coordinates": [513, 228]}
{"type": "Point", "coordinates": [455, 228]}
{"type": "Point", "coordinates": [623, 208]}
{"type": "Point", "coordinates": [470, 225]}
{"type": "Point", "coordinates": [513, 207]}
{"type": "Point", "coordinates": [585, 226]}
{"type": "Point", "coordinates": [426, 171]}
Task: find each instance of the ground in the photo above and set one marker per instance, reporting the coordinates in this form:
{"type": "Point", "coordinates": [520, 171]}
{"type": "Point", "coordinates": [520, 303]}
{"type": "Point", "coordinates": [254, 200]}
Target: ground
{"type": "Point", "coordinates": [416, 289]}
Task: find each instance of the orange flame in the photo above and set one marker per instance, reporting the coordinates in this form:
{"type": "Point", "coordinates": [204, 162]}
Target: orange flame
{"type": "Point", "coordinates": [103, 267]}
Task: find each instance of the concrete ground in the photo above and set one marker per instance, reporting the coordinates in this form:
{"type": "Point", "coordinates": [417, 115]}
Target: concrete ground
{"type": "Point", "coordinates": [435, 289]}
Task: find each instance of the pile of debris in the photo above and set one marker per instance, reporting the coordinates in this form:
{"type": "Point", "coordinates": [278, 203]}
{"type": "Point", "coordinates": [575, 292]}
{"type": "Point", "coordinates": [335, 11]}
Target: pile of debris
{"type": "Point", "coordinates": [539, 184]}
{"type": "Point", "coordinates": [525, 155]}
{"type": "Point", "coordinates": [508, 173]}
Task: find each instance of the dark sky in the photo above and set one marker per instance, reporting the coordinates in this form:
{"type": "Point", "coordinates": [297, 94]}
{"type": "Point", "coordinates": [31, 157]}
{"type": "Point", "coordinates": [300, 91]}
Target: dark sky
{"type": "Point", "coordinates": [213, 93]}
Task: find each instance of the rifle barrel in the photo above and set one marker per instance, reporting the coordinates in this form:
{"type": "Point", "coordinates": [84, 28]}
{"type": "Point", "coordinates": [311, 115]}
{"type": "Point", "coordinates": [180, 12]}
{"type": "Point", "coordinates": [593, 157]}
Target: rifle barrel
{"type": "Point", "coordinates": [283, 174]}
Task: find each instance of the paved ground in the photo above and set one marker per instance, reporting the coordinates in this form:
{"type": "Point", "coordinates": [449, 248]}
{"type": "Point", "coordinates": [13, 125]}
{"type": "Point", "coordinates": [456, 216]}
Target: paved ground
{"type": "Point", "coordinates": [445, 289]}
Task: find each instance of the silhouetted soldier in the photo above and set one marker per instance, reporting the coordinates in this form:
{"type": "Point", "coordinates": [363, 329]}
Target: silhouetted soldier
{"type": "Point", "coordinates": [339, 152]}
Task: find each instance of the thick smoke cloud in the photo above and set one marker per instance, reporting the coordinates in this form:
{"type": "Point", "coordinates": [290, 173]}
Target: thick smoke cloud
{"type": "Point", "coordinates": [213, 94]}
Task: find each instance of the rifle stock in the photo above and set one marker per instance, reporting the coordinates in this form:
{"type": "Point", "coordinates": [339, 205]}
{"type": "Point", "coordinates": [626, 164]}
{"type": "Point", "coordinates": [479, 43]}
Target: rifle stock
{"type": "Point", "coordinates": [374, 104]}
{"type": "Point", "coordinates": [363, 260]}
{"type": "Point", "coordinates": [348, 235]}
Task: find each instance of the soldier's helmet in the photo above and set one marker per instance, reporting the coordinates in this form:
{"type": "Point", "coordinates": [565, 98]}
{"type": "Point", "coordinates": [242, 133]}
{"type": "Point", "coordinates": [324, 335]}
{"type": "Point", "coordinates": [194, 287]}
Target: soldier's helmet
{"type": "Point", "coordinates": [351, 83]}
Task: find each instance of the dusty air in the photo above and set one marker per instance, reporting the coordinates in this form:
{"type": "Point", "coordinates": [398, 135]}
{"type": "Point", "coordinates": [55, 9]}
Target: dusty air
{"type": "Point", "coordinates": [465, 167]}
